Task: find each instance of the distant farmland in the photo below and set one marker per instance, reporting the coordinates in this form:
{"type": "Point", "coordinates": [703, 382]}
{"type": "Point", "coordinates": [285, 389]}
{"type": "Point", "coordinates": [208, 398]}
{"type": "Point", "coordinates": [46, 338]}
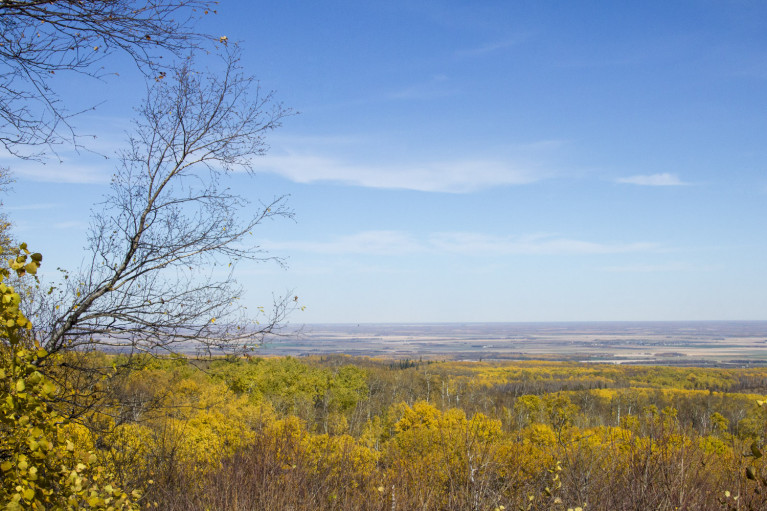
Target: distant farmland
{"type": "Point", "coordinates": [701, 343]}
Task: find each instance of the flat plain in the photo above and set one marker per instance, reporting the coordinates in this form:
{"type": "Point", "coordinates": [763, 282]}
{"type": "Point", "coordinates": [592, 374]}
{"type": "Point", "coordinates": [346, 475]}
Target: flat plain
{"type": "Point", "coordinates": [683, 343]}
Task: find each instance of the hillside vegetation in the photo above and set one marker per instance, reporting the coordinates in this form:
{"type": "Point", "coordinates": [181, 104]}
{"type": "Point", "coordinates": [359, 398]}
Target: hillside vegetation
{"type": "Point", "coordinates": [357, 433]}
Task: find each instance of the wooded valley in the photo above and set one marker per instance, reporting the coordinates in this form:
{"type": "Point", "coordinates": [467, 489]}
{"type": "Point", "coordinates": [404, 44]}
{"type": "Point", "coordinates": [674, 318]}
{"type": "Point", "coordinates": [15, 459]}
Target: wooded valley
{"type": "Point", "coordinates": [358, 433]}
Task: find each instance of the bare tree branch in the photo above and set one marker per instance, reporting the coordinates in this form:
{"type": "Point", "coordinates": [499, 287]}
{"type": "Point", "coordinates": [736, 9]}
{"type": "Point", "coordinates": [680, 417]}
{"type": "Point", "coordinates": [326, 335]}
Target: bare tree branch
{"type": "Point", "coordinates": [163, 246]}
{"type": "Point", "coordinates": [40, 38]}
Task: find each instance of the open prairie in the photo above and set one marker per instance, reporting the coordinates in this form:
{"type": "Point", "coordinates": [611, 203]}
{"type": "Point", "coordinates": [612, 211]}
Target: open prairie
{"type": "Point", "coordinates": [727, 343]}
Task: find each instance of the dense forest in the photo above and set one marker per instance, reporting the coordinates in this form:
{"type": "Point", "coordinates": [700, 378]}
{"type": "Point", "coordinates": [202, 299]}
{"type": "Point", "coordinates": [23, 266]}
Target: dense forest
{"type": "Point", "coordinates": [341, 433]}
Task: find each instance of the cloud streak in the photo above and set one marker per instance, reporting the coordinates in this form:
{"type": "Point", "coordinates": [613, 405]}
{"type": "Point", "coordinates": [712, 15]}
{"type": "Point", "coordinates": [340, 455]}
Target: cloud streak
{"type": "Point", "coordinates": [653, 180]}
{"type": "Point", "coordinates": [63, 172]}
{"type": "Point", "coordinates": [397, 243]}
{"type": "Point", "coordinates": [34, 207]}
{"type": "Point", "coordinates": [71, 167]}
{"type": "Point", "coordinates": [461, 176]}
{"type": "Point", "coordinates": [475, 244]}
{"type": "Point", "coordinates": [674, 267]}
{"type": "Point", "coordinates": [366, 242]}
{"type": "Point", "coordinates": [494, 46]}
{"type": "Point", "coordinates": [438, 87]}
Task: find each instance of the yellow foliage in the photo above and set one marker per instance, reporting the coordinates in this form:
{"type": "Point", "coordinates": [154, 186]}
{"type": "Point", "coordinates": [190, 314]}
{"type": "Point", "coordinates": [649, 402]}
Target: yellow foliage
{"type": "Point", "coordinates": [213, 422]}
{"type": "Point", "coordinates": [337, 455]}
{"type": "Point", "coordinates": [539, 435]}
{"type": "Point", "coordinates": [420, 415]}
{"type": "Point", "coordinates": [714, 445]}
{"type": "Point", "coordinates": [41, 465]}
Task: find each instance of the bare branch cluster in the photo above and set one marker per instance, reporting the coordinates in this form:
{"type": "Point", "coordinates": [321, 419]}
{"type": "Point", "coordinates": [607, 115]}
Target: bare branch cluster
{"type": "Point", "coordinates": [165, 241]}
{"type": "Point", "coordinates": [40, 38]}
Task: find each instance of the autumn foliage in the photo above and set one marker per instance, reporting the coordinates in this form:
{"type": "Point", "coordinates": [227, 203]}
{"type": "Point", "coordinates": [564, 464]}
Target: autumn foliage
{"type": "Point", "coordinates": [345, 433]}
{"type": "Point", "coordinates": [41, 464]}
{"type": "Point", "coordinates": [341, 433]}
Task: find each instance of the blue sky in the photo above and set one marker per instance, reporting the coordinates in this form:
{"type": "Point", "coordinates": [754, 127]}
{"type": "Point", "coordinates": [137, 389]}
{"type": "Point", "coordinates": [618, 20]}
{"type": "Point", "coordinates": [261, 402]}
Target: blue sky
{"type": "Point", "coordinates": [481, 161]}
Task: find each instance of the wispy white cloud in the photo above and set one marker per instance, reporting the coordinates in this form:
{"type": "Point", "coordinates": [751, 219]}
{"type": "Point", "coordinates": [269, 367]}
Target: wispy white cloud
{"type": "Point", "coordinates": [437, 87]}
{"type": "Point", "coordinates": [657, 268]}
{"type": "Point", "coordinates": [451, 176]}
{"type": "Point", "coordinates": [474, 243]}
{"type": "Point", "coordinates": [33, 207]}
{"type": "Point", "coordinates": [366, 242]}
{"type": "Point", "coordinates": [73, 224]}
{"type": "Point", "coordinates": [92, 163]}
{"type": "Point", "coordinates": [85, 167]}
{"type": "Point", "coordinates": [280, 139]}
{"type": "Point", "coordinates": [653, 180]}
{"type": "Point", "coordinates": [464, 243]}
{"type": "Point", "coordinates": [493, 46]}
{"type": "Point", "coordinates": [63, 172]}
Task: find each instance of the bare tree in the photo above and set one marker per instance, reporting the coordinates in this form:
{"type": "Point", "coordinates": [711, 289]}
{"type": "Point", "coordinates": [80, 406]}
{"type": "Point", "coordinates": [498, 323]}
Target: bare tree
{"type": "Point", "coordinates": [40, 38]}
{"type": "Point", "coordinates": [165, 241]}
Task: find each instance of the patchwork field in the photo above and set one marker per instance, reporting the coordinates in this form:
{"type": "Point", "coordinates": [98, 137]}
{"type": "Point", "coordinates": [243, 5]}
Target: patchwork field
{"type": "Point", "coordinates": [725, 343]}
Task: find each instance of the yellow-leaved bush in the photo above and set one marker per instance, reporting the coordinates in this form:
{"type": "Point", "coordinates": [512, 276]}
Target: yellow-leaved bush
{"type": "Point", "coordinates": [40, 465]}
